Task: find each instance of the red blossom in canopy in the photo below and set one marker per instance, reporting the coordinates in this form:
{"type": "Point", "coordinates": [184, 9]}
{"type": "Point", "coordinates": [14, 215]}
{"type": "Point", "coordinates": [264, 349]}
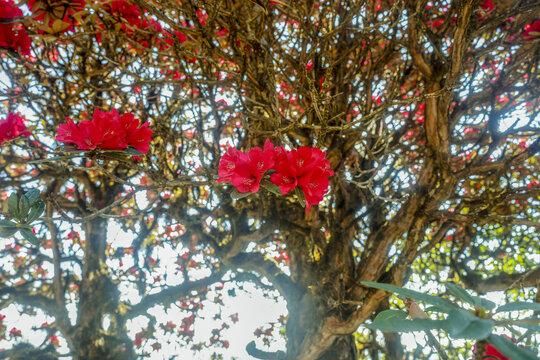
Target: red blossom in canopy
{"type": "Point", "coordinates": [13, 36]}
{"type": "Point", "coordinates": [202, 16]}
{"type": "Point", "coordinates": [14, 333]}
{"type": "Point", "coordinates": [532, 31]}
{"type": "Point", "coordinates": [137, 136]}
{"type": "Point", "coordinates": [284, 177]}
{"type": "Point", "coordinates": [107, 130]}
{"type": "Point", "coordinates": [12, 127]}
{"type": "Point", "coordinates": [314, 185]}
{"type": "Point", "coordinates": [8, 10]}
{"type": "Point", "coordinates": [245, 177]}
{"type": "Point", "coordinates": [182, 38]}
{"type": "Point", "coordinates": [124, 10]}
{"type": "Point", "coordinates": [261, 159]}
{"type": "Point", "coordinates": [227, 164]}
{"type": "Point", "coordinates": [245, 171]}
{"type": "Point", "coordinates": [70, 133]}
{"type": "Point", "coordinates": [305, 167]}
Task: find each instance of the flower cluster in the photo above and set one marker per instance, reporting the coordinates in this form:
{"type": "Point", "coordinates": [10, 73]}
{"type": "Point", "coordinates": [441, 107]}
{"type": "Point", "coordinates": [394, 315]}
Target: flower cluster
{"type": "Point", "coordinates": [11, 127]}
{"type": "Point", "coordinates": [532, 31]}
{"type": "Point", "coordinates": [13, 36]}
{"type": "Point", "coordinates": [107, 130]}
{"type": "Point", "coordinates": [129, 19]}
{"type": "Point", "coordinates": [305, 168]}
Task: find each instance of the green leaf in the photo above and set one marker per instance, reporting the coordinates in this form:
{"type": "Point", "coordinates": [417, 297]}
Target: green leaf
{"type": "Point", "coordinates": [56, 158]}
{"type": "Point", "coordinates": [485, 303]}
{"type": "Point", "coordinates": [519, 306]}
{"type": "Point", "coordinates": [237, 195]}
{"type": "Point", "coordinates": [24, 207]}
{"type": "Point", "coordinates": [13, 206]}
{"type": "Point", "coordinates": [415, 295]}
{"type": "Point", "coordinates": [533, 327]}
{"type": "Point", "coordinates": [436, 309]}
{"type": "Point", "coordinates": [389, 315]}
{"type": "Point", "coordinates": [459, 293]}
{"type": "Point", "coordinates": [117, 155]}
{"type": "Point", "coordinates": [464, 325]}
{"type": "Point", "coordinates": [7, 228]}
{"type": "Point", "coordinates": [132, 151]}
{"type": "Point", "coordinates": [7, 223]}
{"type": "Point", "coordinates": [32, 195]}
{"type": "Point", "coordinates": [509, 349]}
{"type": "Point", "coordinates": [400, 325]}
{"type": "Point", "coordinates": [68, 148]}
{"type": "Point", "coordinates": [30, 236]}
{"type": "Point", "coordinates": [36, 211]}
{"type": "Point", "coordinates": [301, 197]}
{"type": "Point", "coordinates": [471, 299]}
{"type": "Point", "coordinates": [273, 188]}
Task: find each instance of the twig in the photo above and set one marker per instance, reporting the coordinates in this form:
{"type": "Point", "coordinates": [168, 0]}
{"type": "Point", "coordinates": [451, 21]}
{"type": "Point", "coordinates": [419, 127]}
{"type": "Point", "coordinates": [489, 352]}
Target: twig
{"type": "Point", "coordinates": [417, 313]}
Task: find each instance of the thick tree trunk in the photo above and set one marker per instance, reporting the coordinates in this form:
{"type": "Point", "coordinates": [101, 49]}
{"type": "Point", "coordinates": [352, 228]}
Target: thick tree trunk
{"type": "Point", "coordinates": [99, 297]}
{"type": "Point", "coordinates": [305, 320]}
{"type": "Point", "coordinates": [344, 348]}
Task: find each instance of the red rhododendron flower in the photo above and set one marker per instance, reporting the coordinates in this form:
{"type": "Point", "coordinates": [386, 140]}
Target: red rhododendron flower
{"type": "Point", "coordinates": [245, 177]}
{"type": "Point", "coordinates": [8, 10]}
{"type": "Point", "coordinates": [314, 185]}
{"type": "Point", "coordinates": [245, 170]}
{"type": "Point", "coordinates": [11, 127]}
{"type": "Point", "coordinates": [124, 10]}
{"type": "Point", "coordinates": [252, 166]}
{"type": "Point", "coordinates": [107, 130]}
{"type": "Point", "coordinates": [532, 31]}
{"type": "Point", "coordinates": [202, 16]}
{"type": "Point", "coordinates": [13, 36]}
{"type": "Point", "coordinates": [305, 167]}
{"type": "Point", "coordinates": [137, 136]}
{"type": "Point", "coordinates": [284, 178]}
{"type": "Point", "coordinates": [227, 164]}
{"type": "Point", "coordinates": [182, 38]}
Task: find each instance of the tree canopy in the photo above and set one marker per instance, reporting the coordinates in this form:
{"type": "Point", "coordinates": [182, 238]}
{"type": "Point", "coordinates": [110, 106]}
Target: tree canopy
{"type": "Point", "coordinates": [305, 147]}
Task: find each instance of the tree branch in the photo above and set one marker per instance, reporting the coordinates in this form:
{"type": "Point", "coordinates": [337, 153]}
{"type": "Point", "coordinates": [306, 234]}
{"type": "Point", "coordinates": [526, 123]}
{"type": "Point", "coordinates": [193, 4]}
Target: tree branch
{"type": "Point", "coordinates": [171, 294]}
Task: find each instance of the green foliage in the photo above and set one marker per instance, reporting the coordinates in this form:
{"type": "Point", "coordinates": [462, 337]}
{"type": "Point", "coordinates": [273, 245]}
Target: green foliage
{"type": "Point", "coordinates": [237, 195]}
{"type": "Point", "coordinates": [462, 294]}
{"type": "Point", "coordinates": [459, 323]}
{"type": "Point", "coordinates": [416, 295]}
{"type": "Point", "coordinates": [519, 306]}
{"type": "Point", "coordinates": [26, 209]}
{"type": "Point", "coordinates": [508, 348]}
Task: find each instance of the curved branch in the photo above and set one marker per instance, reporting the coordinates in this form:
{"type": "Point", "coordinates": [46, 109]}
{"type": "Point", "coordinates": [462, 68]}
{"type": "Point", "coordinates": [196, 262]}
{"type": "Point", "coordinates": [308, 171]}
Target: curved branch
{"type": "Point", "coordinates": [171, 294]}
{"type": "Point", "coordinates": [501, 282]}
{"type": "Point", "coordinates": [258, 263]}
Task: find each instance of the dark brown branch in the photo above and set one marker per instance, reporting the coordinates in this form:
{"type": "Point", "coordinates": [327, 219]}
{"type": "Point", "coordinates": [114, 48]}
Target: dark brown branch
{"type": "Point", "coordinates": [501, 282]}
{"type": "Point", "coordinates": [173, 293]}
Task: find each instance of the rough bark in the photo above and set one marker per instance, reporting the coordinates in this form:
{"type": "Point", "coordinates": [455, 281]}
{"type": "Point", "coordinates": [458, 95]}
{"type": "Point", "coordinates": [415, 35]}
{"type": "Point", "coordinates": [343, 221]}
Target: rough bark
{"type": "Point", "coordinates": [99, 297]}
